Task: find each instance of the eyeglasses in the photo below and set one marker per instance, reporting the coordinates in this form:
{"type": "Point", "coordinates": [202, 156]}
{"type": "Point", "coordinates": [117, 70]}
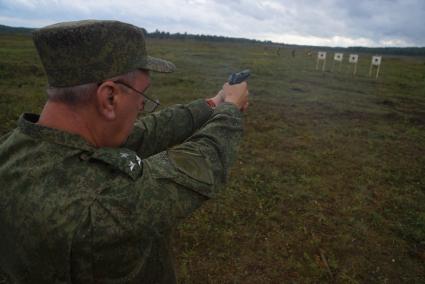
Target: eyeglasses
{"type": "Point", "coordinates": [150, 105]}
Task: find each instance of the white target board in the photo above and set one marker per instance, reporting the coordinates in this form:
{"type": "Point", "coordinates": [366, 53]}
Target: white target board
{"type": "Point", "coordinates": [338, 56]}
{"type": "Point", "coordinates": [354, 58]}
{"type": "Point", "coordinates": [376, 60]}
{"type": "Point", "coordinates": [321, 55]}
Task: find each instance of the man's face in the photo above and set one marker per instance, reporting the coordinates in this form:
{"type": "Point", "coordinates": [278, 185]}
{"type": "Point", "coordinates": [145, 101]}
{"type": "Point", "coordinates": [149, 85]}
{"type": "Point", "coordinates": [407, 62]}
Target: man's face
{"type": "Point", "coordinates": [131, 103]}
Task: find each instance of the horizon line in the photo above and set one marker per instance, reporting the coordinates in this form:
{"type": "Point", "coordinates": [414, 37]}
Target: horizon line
{"type": "Point", "coordinates": [257, 40]}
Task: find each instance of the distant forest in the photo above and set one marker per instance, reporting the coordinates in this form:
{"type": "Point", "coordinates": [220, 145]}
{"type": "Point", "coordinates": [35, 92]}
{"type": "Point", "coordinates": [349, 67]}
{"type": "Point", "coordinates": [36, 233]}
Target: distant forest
{"type": "Point", "coordinates": [405, 51]}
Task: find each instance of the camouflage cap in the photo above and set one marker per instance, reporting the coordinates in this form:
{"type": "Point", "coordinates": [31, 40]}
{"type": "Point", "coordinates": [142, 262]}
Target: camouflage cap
{"type": "Point", "coordinates": [80, 52]}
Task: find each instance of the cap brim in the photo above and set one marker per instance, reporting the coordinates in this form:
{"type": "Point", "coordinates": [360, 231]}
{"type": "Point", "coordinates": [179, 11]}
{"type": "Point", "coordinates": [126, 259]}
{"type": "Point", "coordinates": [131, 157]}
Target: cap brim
{"type": "Point", "coordinates": [159, 65]}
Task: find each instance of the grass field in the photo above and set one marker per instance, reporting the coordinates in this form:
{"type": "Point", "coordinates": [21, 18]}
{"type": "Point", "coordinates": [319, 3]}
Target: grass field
{"type": "Point", "coordinates": [329, 186]}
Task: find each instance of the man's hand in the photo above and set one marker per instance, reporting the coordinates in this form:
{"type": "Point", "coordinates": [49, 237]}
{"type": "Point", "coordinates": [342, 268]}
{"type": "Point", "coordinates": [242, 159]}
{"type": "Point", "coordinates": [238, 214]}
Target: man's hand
{"type": "Point", "coordinates": [218, 99]}
{"type": "Point", "coordinates": [236, 94]}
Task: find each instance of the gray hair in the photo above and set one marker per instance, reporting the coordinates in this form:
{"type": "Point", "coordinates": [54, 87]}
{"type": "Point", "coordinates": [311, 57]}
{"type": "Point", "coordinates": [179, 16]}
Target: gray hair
{"type": "Point", "coordinates": [82, 94]}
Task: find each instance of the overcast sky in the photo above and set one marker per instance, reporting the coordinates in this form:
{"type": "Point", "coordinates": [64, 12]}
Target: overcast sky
{"type": "Point", "coordinates": [312, 22]}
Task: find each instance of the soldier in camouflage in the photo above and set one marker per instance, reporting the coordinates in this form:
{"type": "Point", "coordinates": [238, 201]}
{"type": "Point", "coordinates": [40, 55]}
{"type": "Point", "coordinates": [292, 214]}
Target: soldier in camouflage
{"type": "Point", "coordinates": [89, 193]}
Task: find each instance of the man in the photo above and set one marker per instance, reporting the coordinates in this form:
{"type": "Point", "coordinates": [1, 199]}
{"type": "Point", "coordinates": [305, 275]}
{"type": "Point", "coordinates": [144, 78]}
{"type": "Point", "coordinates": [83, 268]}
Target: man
{"type": "Point", "coordinates": [89, 195]}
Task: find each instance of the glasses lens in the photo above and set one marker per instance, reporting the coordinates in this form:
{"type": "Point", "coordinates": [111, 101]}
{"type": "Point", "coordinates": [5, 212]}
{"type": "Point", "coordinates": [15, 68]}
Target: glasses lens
{"type": "Point", "coordinates": [150, 106]}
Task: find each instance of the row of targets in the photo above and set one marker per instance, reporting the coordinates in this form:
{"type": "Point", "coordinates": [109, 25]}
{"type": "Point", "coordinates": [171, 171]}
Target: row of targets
{"type": "Point", "coordinates": [353, 59]}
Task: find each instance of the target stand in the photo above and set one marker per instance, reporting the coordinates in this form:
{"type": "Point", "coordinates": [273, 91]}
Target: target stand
{"type": "Point", "coordinates": [353, 60]}
{"type": "Point", "coordinates": [375, 64]}
{"type": "Point", "coordinates": [338, 58]}
{"type": "Point", "coordinates": [321, 59]}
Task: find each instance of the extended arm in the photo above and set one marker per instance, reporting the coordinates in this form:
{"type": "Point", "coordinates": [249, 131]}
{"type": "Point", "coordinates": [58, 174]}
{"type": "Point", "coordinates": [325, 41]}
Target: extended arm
{"type": "Point", "coordinates": [158, 131]}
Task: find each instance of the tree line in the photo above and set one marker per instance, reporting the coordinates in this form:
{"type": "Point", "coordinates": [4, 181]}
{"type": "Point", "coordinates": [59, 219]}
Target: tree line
{"type": "Point", "coordinates": [157, 34]}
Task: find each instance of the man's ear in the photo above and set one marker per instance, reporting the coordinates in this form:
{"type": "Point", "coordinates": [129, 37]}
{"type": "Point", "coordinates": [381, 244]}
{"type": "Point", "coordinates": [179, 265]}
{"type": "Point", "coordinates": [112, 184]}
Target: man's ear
{"type": "Point", "coordinates": [106, 96]}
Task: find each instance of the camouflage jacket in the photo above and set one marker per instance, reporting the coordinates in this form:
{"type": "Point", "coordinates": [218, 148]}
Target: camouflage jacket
{"type": "Point", "coordinates": [71, 213]}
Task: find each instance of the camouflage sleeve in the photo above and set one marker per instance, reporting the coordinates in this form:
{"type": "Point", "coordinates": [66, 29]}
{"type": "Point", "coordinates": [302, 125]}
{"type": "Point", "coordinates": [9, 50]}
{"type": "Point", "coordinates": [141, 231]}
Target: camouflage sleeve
{"type": "Point", "coordinates": [183, 177]}
{"type": "Point", "coordinates": [159, 131]}
{"type": "Point", "coordinates": [202, 162]}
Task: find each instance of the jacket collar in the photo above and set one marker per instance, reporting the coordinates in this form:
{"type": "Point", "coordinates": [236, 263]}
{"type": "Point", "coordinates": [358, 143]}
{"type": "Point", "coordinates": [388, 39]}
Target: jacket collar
{"type": "Point", "coordinates": [27, 123]}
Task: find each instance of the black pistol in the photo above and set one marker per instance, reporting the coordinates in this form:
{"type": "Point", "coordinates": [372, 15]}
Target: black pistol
{"type": "Point", "coordinates": [237, 78]}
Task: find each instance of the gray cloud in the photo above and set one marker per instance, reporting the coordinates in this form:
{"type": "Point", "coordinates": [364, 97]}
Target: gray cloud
{"type": "Point", "coordinates": [319, 22]}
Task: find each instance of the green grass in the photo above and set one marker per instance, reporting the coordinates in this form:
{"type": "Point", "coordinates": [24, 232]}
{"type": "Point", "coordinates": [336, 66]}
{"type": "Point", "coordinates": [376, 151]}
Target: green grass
{"type": "Point", "coordinates": [329, 185]}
